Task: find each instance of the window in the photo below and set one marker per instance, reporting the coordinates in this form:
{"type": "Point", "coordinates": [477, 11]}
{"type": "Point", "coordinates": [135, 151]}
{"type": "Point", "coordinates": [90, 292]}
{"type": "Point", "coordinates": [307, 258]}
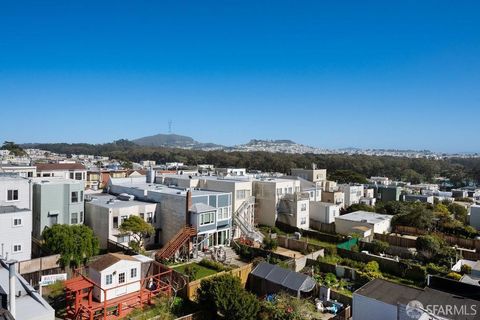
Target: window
{"type": "Point", "coordinates": [142, 215]}
{"type": "Point", "coordinates": [123, 218]}
{"type": "Point", "coordinates": [241, 194]}
{"type": "Point", "coordinates": [223, 213]}
{"type": "Point", "coordinates": [74, 196]}
{"type": "Point", "coordinates": [123, 238]}
{"type": "Point", "coordinates": [303, 220]}
{"type": "Point", "coordinates": [115, 222]}
{"type": "Point", "coordinates": [133, 273]}
{"type": "Point", "coordinates": [78, 176]}
{"type": "Point", "coordinates": [81, 196]}
{"type": "Point", "coordinates": [81, 216]}
{"type": "Point", "coordinates": [304, 207]}
{"type": "Point", "coordinates": [17, 248]}
{"type": "Point", "coordinates": [149, 217]}
{"type": "Point", "coordinates": [30, 174]}
{"type": "Point", "coordinates": [279, 191]}
{"type": "Point", "coordinates": [71, 175]}
{"type": "Point", "coordinates": [154, 218]}
{"type": "Point", "coordinates": [207, 218]}
{"type": "Point", "coordinates": [290, 190]}
{"type": "Point", "coordinates": [74, 218]}
{"type": "Point", "coordinates": [108, 279]}
{"type": "Point", "coordinates": [17, 222]}
{"type": "Point", "coordinates": [121, 277]}
{"type": "Point", "coordinates": [12, 195]}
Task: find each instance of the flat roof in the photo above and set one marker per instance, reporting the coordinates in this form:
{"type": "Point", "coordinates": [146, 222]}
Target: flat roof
{"type": "Point", "coordinates": [54, 180]}
{"type": "Point", "coordinates": [393, 294]}
{"type": "Point", "coordinates": [232, 179]}
{"type": "Point", "coordinates": [141, 184]}
{"type": "Point", "coordinates": [111, 201]}
{"type": "Point", "coordinates": [361, 216]}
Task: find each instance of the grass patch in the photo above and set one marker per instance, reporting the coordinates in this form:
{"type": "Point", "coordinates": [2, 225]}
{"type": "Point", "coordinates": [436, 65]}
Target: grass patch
{"type": "Point", "coordinates": [201, 271]}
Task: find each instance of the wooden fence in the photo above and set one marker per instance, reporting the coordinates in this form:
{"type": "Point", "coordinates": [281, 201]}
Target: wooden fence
{"type": "Point", "coordinates": [190, 291]}
{"type": "Point", "coordinates": [452, 240]}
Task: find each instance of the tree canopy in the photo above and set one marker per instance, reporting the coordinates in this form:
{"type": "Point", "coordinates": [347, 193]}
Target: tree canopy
{"type": "Point", "coordinates": [227, 299]}
{"type": "Point", "coordinates": [76, 244]}
{"type": "Point", "coordinates": [138, 229]}
{"type": "Point", "coordinates": [15, 149]}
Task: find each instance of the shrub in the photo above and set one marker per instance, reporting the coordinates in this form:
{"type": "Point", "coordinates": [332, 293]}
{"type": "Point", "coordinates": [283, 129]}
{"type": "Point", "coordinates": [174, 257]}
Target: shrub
{"type": "Point", "coordinates": [270, 243]}
{"type": "Point", "coordinates": [454, 276]}
{"type": "Point", "coordinates": [379, 246]}
{"type": "Point", "coordinates": [190, 271]}
{"type": "Point", "coordinates": [225, 295]}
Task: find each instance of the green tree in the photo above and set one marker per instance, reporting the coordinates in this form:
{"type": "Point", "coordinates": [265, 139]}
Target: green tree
{"type": "Point", "coordinates": [379, 246]}
{"type": "Point", "coordinates": [270, 243]}
{"type": "Point", "coordinates": [76, 244]}
{"type": "Point", "coordinates": [347, 176]}
{"type": "Point", "coordinates": [429, 246]}
{"type": "Point", "coordinates": [359, 207]}
{"type": "Point", "coordinates": [138, 229]}
{"type": "Point", "coordinates": [459, 212]}
{"type": "Point", "coordinates": [14, 148]}
{"type": "Point", "coordinates": [226, 298]}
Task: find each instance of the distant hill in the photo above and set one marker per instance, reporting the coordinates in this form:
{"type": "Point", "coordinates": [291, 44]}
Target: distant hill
{"type": "Point", "coordinates": [174, 141]}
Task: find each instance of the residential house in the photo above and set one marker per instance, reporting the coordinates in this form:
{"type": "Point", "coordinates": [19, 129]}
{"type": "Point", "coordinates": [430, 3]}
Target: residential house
{"type": "Point", "coordinates": [212, 222]}
{"type": "Point", "coordinates": [324, 212]}
{"type": "Point", "coordinates": [352, 193]}
{"type": "Point", "coordinates": [15, 191]}
{"type": "Point", "coordinates": [21, 299]}
{"type": "Point", "coordinates": [335, 197]}
{"type": "Point", "coordinates": [419, 198]}
{"type": "Point", "coordinates": [268, 194]}
{"type": "Point", "coordinates": [73, 170]}
{"type": "Point", "coordinates": [105, 213]}
{"type": "Point", "coordinates": [387, 193]}
{"type": "Point", "coordinates": [57, 201]}
{"type": "Point", "coordinates": [313, 175]}
{"type": "Point", "coordinates": [362, 221]}
{"type": "Point", "coordinates": [15, 233]}
{"type": "Point", "coordinates": [22, 171]}
{"type": "Point", "coordinates": [114, 270]}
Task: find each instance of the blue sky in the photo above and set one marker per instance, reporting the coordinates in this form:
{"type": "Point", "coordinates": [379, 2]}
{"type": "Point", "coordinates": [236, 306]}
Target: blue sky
{"type": "Point", "coordinates": [373, 74]}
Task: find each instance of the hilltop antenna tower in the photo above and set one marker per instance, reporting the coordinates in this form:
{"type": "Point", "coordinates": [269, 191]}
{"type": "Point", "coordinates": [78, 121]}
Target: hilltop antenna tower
{"type": "Point", "coordinates": [170, 122]}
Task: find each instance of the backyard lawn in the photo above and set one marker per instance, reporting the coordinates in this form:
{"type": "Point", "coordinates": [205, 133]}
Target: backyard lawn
{"type": "Point", "coordinates": [201, 271]}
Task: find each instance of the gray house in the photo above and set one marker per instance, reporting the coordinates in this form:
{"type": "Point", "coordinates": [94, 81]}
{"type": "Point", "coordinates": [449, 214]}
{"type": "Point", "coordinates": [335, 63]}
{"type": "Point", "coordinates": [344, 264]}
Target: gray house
{"type": "Point", "coordinates": [57, 201]}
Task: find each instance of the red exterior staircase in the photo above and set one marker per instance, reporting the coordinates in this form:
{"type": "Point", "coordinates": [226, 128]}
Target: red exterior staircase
{"type": "Point", "coordinates": [175, 243]}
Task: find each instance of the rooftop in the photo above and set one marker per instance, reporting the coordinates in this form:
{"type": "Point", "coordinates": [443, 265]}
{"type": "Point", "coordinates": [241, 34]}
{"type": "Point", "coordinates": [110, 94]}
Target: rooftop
{"type": "Point", "coordinates": [29, 304]}
{"type": "Point", "coordinates": [110, 201]}
{"type": "Point", "coordinates": [59, 166]}
{"type": "Point", "coordinates": [365, 216]}
{"type": "Point", "coordinates": [108, 260]}
{"type": "Point", "coordinates": [53, 180]}
{"type": "Point", "coordinates": [394, 294]}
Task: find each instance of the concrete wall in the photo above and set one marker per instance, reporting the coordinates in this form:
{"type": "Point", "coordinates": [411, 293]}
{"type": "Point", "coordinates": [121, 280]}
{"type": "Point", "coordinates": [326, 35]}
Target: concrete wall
{"type": "Point", "coordinates": [324, 212]}
{"type": "Point", "coordinates": [11, 235]}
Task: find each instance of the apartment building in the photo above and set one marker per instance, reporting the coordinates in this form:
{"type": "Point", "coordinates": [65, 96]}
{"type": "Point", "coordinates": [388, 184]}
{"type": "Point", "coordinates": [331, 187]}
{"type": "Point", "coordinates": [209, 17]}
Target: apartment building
{"type": "Point", "coordinates": [105, 213]}
{"type": "Point", "coordinates": [324, 212]}
{"type": "Point", "coordinates": [57, 201]}
{"type": "Point", "coordinates": [335, 197]}
{"type": "Point", "coordinates": [268, 194]}
{"type": "Point", "coordinates": [352, 193]}
{"type": "Point", "coordinates": [209, 212]}
{"type": "Point", "coordinates": [76, 171]}
{"type": "Point", "coordinates": [313, 175]}
{"type": "Point", "coordinates": [240, 187]}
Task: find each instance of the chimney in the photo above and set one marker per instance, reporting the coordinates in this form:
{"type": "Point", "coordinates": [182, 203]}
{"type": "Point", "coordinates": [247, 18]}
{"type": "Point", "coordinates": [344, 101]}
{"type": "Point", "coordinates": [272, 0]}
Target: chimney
{"type": "Point", "coordinates": [11, 290]}
{"type": "Point", "coordinates": [188, 207]}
